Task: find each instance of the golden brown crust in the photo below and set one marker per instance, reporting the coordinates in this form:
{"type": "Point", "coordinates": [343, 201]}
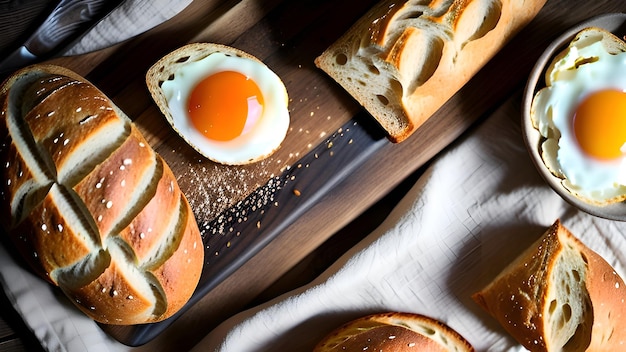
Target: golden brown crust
{"type": "Point", "coordinates": [90, 206]}
{"type": "Point", "coordinates": [394, 331]}
{"type": "Point", "coordinates": [557, 293]}
{"type": "Point", "coordinates": [608, 296]}
{"type": "Point", "coordinates": [403, 61]}
{"type": "Point", "coordinates": [522, 292]}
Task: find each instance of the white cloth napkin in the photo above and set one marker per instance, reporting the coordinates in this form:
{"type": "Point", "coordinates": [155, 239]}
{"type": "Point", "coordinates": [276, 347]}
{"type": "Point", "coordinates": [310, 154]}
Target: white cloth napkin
{"type": "Point", "coordinates": [130, 18]}
{"type": "Point", "coordinates": [478, 206]}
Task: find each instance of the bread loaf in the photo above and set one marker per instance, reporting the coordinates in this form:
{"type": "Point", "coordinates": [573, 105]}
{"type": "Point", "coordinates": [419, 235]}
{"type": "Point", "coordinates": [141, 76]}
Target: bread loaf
{"type": "Point", "coordinates": [559, 295]}
{"type": "Point", "coordinates": [88, 203]}
{"type": "Point", "coordinates": [394, 332]}
{"type": "Point", "coordinates": [404, 59]}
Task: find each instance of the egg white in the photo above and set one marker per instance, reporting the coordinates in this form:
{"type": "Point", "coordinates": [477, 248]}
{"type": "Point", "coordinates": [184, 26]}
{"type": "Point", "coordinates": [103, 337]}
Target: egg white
{"type": "Point", "coordinates": [554, 107]}
{"type": "Point", "coordinates": [257, 143]}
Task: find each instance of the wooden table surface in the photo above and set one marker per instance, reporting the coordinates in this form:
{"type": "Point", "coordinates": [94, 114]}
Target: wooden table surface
{"type": "Point", "coordinates": [287, 35]}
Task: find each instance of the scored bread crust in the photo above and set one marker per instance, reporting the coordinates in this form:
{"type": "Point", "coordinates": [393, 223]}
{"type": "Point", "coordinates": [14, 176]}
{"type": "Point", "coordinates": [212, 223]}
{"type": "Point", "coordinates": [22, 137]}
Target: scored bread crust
{"type": "Point", "coordinates": [394, 331]}
{"type": "Point", "coordinates": [89, 205]}
{"type": "Point", "coordinates": [403, 60]}
{"type": "Point", "coordinates": [559, 295]}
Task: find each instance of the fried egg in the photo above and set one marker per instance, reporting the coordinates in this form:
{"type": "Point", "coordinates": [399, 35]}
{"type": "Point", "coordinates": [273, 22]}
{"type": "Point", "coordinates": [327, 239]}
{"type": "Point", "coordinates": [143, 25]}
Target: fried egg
{"type": "Point", "coordinates": [231, 109]}
{"type": "Point", "coordinates": [582, 116]}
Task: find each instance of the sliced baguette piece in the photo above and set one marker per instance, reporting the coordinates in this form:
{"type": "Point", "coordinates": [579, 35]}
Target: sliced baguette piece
{"type": "Point", "coordinates": [404, 59]}
{"type": "Point", "coordinates": [394, 331]}
{"type": "Point", "coordinates": [559, 295]}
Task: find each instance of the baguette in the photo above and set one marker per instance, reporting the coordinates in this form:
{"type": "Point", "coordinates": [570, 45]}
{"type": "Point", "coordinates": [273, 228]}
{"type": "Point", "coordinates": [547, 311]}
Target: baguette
{"type": "Point", "coordinates": [404, 59]}
{"type": "Point", "coordinates": [89, 205]}
{"type": "Point", "coordinates": [394, 332]}
{"type": "Point", "coordinates": [559, 295]}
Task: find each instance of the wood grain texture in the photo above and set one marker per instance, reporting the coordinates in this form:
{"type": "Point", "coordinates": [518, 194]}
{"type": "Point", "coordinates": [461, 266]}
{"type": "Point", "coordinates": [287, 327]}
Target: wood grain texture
{"type": "Point", "coordinates": [287, 35]}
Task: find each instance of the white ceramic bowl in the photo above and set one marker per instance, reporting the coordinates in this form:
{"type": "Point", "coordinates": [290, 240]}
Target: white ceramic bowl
{"type": "Point", "coordinates": [613, 22]}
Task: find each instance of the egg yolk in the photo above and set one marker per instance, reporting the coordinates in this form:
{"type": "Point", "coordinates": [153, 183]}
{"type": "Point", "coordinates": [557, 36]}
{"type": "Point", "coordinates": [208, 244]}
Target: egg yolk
{"type": "Point", "coordinates": [225, 105]}
{"type": "Point", "coordinates": [600, 124]}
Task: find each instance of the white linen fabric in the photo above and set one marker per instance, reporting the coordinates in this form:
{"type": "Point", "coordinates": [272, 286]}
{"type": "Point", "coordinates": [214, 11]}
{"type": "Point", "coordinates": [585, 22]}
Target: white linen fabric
{"type": "Point", "coordinates": [130, 18]}
{"type": "Point", "coordinates": [478, 206]}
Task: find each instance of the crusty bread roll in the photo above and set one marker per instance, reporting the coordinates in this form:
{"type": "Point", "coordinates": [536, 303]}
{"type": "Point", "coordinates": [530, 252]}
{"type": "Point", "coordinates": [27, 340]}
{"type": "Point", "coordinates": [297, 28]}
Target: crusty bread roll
{"type": "Point", "coordinates": [559, 295]}
{"type": "Point", "coordinates": [404, 59]}
{"type": "Point", "coordinates": [394, 332]}
{"type": "Point", "coordinates": [88, 203]}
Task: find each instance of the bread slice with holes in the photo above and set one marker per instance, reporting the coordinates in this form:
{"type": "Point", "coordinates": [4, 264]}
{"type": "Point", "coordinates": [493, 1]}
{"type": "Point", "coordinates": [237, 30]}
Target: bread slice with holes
{"type": "Point", "coordinates": [559, 295]}
{"type": "Point", "coordinates": [394, 332]}
{"type": "Point", "coordinates": [404, 59]}
{"type": "Point", "coordinates": [89, 205]}
{"type": "Point", "coordinates": [165, 68]}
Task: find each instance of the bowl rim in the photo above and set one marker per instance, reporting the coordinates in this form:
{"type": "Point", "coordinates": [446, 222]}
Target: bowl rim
{"type": "Point", "coordinates": [612, 22]}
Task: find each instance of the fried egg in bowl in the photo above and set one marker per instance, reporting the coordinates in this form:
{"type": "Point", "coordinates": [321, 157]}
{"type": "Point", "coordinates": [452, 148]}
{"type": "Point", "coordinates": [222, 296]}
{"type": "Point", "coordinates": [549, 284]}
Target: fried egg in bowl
{"type": "Point", "coordinates": [574, 116]}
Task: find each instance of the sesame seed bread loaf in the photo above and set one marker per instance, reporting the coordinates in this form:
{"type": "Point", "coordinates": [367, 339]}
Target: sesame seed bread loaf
{"type": "Point", "coordinates": [394, 332]}
{"type": "Point", "coordinates": [88, 203]}
{"type": "Point", "coordinates": [559, 295]}
{"type": "Point", "coordinates": [404, 59]}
